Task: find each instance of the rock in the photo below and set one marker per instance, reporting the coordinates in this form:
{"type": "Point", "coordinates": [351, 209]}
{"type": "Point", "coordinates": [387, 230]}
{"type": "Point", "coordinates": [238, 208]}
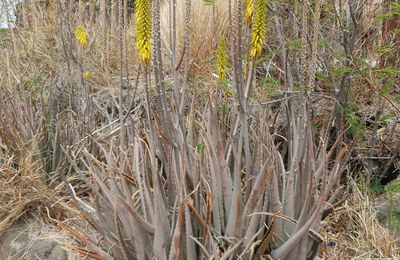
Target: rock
{"type": "Point", "coordinates": [13, 242]}
{"type": "Point", "coordinates": [20, 241]}
{"type": "Point", "coordinates": [44, 249]}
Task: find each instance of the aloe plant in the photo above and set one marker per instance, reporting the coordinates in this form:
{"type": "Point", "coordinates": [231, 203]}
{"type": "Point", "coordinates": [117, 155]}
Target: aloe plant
{"type": "Point", "coordinates": [245, 195]}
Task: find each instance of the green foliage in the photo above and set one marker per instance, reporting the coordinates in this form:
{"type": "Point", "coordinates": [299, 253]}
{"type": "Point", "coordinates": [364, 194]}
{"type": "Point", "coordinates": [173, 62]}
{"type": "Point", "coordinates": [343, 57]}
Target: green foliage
{"type": "Point", "coordinates": [395, 13]}
{"type": "Point", "coordinates": [209, 2]}
{"type": "Point", "coordinates": [168, 86]}
{"type": "Point", "coordinates": [394, 219]}
{"type": "Point", "coordinates": [388, 70]}
{"type": "Point", "coordinates": [200, 149]}
{"type": "Point", "coordinates": [323, 42]}
{"type": "Point", "coordinates": [34, 82]}
{"type": "Point", "coordinates": [395, 8]}
{"type": "Point", "coordinates": [393, 186]}
{"type": "Point", "coordinates": [224, 82]}
{"type": "Point", "coordinates": [383, 49]}
{"type": "Point", "coordinates": [396, 99]}
{"type": "Point", "coordinates": [386, 117]}
{"type": "Point", "coordinates": [36, 85]}
{"type": "Point", "coordinates": [341, 70]}
{"type": "Point", "coordinates": [271, 86]}
{"type": "Point", "coordinates": [294, 44]}
{"type": "Point", "coordinates": [382, 17]}
{"type": "Point", "coordinates": [387, 89]}
{"type": "Point", "coordinates": [371, 186]}
{"type": "Point", "coordinates": [222, 109]}
{"type": "Point", "coordinates": [3, 34]}
{"type": "Point", "coordinates": [354, 123]}
{"type": "Point", "coordinates": [268, 56]}
{"type": "Point", "coordinates": [327, 7]}
{"type": "Point", "coordinates": [153, 92]}
{"type": "Point", "coordinates": [209, 62]}
{"type": "Point", "coordinates": [375, 186]}
{"type": "Point", "coordinates": [321, 77]}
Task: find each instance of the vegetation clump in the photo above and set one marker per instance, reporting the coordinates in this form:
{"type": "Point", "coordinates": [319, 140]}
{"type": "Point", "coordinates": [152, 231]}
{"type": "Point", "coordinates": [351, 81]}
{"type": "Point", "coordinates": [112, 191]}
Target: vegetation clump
{"type": "Point", "coordinates": [112, 116]}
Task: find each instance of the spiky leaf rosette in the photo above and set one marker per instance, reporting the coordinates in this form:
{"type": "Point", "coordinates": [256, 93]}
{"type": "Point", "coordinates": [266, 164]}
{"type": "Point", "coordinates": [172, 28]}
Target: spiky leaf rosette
{"type": "Point", "coordinates": [143, 30]}
{"type": "Point", "coordinates": [248, 17]}
{"type": "Point", "coordinates": [81, 36]}
{"type": "Point", "coordinates": [259, 28]}
{"type": "Point", "coordinates": [222, 59]}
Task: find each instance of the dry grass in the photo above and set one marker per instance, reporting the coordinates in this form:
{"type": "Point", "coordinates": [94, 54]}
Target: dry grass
{"type": "Point", "coordinates": [24, 188]}
{"type": "Point", "coordinates": [205, 31]}
{"type": "Point", "coordinates": [357, 233]}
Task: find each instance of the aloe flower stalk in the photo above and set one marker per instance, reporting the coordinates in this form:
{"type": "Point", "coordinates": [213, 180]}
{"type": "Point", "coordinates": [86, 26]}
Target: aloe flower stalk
{"type": "Point", "coordinates": [143, 30]}
{"type": "Point", "coordinates": [259, 28]}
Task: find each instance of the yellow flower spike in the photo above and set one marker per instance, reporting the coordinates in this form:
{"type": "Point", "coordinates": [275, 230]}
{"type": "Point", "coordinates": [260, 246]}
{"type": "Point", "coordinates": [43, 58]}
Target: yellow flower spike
{"type": "Point", "coordinates": [248, 17]}
{"type": "Point", "coordinates": [143, 30]}
{"type": "Point", "coordinates": [86, 75]}
{"type": "Point", "coordinates": [187, 121]}
{"type": "Point", "coordinates": [222, 63]}
{"type": "Point", "coordinates": [81, 36]}
{"type": "Point", "coordinates": [259, 28]}
{"type": "Point", "coordinates": [222, 59]}
{"type": "Point", "coordinates": [228, 91]}
{"type": "Point", "coordinates": [245, 64]}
